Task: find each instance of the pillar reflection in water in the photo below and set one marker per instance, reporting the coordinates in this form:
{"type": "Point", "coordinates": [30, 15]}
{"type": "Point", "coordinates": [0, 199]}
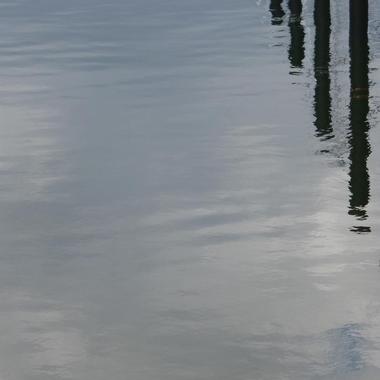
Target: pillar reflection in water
{"type": "Point", "coordinates": [277, 12]}
{"type": "Point", "coordinates": [297, 34]}
{"type": "Point", "coordinates": [359, 182]}
{"type": "Point", "coordinates": [322, 96]}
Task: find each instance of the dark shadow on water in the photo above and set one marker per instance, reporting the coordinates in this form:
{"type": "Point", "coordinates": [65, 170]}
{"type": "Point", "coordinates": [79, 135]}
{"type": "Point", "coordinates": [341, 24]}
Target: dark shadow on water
{"type": "Point", "coordinates": [277, 12]}
{"type": "Point", "coordinates": [359, 181]}
{"type": "Point", "coordinates": [297, 35]}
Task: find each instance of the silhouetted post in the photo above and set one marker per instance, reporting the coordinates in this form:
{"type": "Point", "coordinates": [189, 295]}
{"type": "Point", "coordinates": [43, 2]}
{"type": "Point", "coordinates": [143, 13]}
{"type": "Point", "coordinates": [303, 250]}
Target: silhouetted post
{"type": "Point", "coordinates": [277, 12]}
{"type": "Point", "coordinates": [359, 108]}
{"type": "Point", "coordinates": [297, 34]}
{"type": "Point", "coordinates": [322, 96]}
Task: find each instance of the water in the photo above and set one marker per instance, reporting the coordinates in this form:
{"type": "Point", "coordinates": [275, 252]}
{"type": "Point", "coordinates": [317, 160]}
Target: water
{"type": "Point", "coordinates": [188, 191]}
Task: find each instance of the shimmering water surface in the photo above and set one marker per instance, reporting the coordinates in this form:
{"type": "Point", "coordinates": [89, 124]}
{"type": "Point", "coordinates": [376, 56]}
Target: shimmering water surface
{"type": "Point", "coordinates": [189, 190]}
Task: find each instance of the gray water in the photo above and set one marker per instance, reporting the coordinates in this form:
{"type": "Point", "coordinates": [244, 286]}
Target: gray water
{"type": "Point", "coordinates": [170, 206]}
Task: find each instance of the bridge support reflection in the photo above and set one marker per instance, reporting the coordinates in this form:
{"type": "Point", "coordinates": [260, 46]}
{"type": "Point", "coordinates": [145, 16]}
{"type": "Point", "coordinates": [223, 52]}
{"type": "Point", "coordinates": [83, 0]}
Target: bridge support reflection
{"type": "Point", "coordinates": [358, 140]}
{"type": "Point", "coordinates": [322, 96]}
{"type": "Point", "coordinates": [359, 182]}
{"type": "Point", "coordinates": [297, 34]}
{"type": "Point", "coordinates": [277, 12]}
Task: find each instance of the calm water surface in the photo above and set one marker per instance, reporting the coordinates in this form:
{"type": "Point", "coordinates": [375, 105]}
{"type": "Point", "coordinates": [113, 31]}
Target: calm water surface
{"type": "Point", "coordinates": [189, 190]}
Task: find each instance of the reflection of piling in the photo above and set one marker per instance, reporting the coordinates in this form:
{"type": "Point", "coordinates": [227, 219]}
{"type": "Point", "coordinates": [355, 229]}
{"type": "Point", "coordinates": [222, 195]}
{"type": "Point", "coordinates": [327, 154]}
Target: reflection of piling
{"type": "Point", "coordinates": [359, 51]}
{"type": "Point", "coordinates": [297, 34]}
{"type": "Point", "coordinates": [322, 96]}
{"type": "Point", "coordinates": [359, 108]}
{"type": "Point", "coordinates": [277, 12]}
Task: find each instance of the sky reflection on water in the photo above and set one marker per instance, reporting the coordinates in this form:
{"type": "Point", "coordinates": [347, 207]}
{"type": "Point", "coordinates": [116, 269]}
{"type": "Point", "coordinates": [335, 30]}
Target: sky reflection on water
{"type": "Point", "coordinates": [188, 190]}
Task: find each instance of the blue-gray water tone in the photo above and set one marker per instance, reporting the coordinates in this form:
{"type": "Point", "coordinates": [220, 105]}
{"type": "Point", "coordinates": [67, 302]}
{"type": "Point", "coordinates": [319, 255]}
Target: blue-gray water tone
{"type": "Point", "coordinates": [189, 190]}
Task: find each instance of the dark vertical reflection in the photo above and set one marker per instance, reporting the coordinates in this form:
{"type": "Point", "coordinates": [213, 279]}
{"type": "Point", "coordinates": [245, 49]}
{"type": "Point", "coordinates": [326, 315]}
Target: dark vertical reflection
{"type": "Point", "coordinates": [322, 96]}
{"type": "Point", "coordinates": [358, 137]}
{"type": "Point", "coordinates": [297, 34]}
{"type": "Point", "coordinates": [277, 12]}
